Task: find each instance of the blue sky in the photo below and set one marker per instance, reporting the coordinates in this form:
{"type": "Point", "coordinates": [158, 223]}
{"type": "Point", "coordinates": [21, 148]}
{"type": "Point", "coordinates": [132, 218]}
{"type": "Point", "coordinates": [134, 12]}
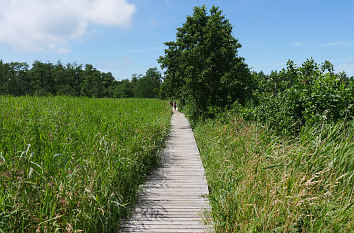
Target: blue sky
{"type": "Point", "coordinates": [125, 36]}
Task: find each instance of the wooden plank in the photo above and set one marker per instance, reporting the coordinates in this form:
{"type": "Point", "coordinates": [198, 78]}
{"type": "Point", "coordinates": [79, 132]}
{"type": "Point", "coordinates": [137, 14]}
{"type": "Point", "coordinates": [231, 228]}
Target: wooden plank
{"type": "Point", "coordinates": [186, 193]}
{"type": "Point", "coordinates": [162, 230]}
{"type": "Point", "coordinates": [176, 192]}
{"type": "Point", "coordinates": [179, 214]}
{"type": "Point", "coordinates": [177, 218]}
{"type": "Point", "coordinates": [175, 196]}
{"type": "Point", "coordinates": [152, 225]}
{"type": "Point", "coordinates": [168, 226]}
{"type": "Point", "coordinates": [172, 209]}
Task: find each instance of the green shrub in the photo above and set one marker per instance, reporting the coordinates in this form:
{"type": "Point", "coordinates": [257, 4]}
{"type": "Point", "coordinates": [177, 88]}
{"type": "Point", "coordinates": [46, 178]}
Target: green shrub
{"type": "Point", "coordinates": [298, 96]}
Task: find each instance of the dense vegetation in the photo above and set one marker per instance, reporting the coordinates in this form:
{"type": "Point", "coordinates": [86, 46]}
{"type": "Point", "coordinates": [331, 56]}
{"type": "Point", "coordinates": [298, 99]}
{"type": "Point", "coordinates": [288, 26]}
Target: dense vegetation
{"type": "Point", "coordinates": [298, 96]}
{"type": "Point", "coordinates": [147, 86]}
{"type": "Point", "coordinates": [261, 182]}
{"type": "Point", "coordinates": [69, 164]}
{"type": "Point", "coordinates": [43, 79]}
{"type": "Point", "coordinates": [204, 71]}
{"type": "Point", "coordinates": [202, 68]}
{"type": "Point", "coordinates": [279, 152]}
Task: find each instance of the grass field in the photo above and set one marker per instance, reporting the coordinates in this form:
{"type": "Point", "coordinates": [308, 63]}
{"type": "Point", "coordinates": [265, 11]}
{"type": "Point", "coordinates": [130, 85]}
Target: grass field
{"type": "Point", "coordinates": [74, 164]}
{"type": "Point", "coordinates": [260, 182]}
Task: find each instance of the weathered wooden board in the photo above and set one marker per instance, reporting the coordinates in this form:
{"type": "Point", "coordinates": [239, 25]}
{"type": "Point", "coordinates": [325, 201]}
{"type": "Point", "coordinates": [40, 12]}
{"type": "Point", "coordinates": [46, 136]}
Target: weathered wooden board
{"type": "Point", "coordinates": [175, 196]}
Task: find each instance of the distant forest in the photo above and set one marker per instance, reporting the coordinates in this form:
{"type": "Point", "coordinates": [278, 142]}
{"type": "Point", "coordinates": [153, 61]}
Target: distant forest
{"type": "Point", "coordinates": [42, 79]}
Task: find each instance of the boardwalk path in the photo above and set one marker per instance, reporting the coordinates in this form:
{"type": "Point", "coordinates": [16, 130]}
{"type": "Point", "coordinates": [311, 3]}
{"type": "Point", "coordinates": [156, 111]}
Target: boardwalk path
{"type": "Point", "coordinates": [175, 195]}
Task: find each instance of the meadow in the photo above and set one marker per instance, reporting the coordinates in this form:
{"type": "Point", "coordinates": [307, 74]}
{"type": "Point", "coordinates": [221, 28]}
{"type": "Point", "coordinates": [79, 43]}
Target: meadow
{"type": "Point", "coordinates": [260, 181]}
{"type": "Point", "coordinates": [74, 164]}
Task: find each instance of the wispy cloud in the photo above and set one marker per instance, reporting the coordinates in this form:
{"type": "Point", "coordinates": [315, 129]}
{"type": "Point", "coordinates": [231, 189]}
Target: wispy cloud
{"type": "Point", "coordinates": [141, 50]}
{"type": "Point", "coordinates": [153, 23]}
{"type": "Point", "coordinates": [339, 43]}
{"type": "Point", "coordinates": [115, 65]}
{"type": "Point", "coordinates": [119, 63]}
{"type": "Point", "coordinates": [168, 2]}
{"type": "Point", "coordinates": [63, 50]}
{"type": "Point", "coordinates": [268, 64]}
{"type": "Point", "coordinates": [296, 43]}
{"type": "Point", "coordinates": [347, 66]}
{"type": "Point", "coordinates": [42, 25]}
{"type": "Point", "coordinates": [126, 61]}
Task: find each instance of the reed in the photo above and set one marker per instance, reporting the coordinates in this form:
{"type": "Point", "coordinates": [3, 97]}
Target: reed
{"type": "Point", "coordinates": [261, 182]}
{"type": "Point", "coordinates": [74, 164]}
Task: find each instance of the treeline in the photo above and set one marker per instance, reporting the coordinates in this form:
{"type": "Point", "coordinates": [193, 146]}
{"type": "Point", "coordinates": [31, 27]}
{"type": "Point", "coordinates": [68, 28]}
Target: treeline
{"type": "Point", "coordinates": [42, 79]}
{"type": "Point", "coordinates": [140, 86]}
{"type": "Point", "coordinates": [204, 72]}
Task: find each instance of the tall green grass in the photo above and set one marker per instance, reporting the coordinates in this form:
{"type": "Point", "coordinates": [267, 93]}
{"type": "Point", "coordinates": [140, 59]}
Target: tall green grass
{"type": "Point", "coordinates": [260, 182]}
{"type": "Point", "coordinates": [74, 164]}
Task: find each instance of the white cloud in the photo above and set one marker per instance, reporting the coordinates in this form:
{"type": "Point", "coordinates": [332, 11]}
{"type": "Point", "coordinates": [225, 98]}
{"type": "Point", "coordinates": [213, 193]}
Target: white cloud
{"type": "Point", "coordinates": [344, 64]}
{"type": "Point", "coordinates": [42, 25]}
{"type": "Point", "coordinates": [126, 61]}
{"type": "Point", "coordinates": [168, 2]}
{"type": "Point", "coordinates": [141, 50]}
{"type": "Point", "coordinates": [63, 50]}
{"type": "Point", "coordinates": [296, 43]}
{"type": "Point", "coordinates": [153, 23]}
{"type": "Point", "coordinates": [339, 43]}
{"type": "Point", "coordinates": [348, 67]}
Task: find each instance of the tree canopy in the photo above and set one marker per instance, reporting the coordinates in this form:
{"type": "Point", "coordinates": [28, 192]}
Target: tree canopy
{"type": "Point", "coordinates": [16, 78]}
{"type": "Point", "coordinates": [202, 67]}
{"type": "Point", "coordinates": [297, 96]}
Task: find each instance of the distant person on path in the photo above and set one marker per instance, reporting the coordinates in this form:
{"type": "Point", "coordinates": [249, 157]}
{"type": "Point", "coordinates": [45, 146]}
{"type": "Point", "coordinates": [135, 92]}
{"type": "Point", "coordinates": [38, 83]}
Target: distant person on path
{"type": "Point", "coordinates": [171, 103]}
{"type": "Point", "coordinates": [175, 105]}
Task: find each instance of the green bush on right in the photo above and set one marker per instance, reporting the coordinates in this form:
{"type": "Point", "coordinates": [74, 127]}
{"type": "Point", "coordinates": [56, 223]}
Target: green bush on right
{"type": "Point", "coordinates": [298, 96]}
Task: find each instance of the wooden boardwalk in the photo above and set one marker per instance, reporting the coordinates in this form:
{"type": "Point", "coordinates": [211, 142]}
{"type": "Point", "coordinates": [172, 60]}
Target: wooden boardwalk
{"type": "Point", "coordinates": [175, 196]}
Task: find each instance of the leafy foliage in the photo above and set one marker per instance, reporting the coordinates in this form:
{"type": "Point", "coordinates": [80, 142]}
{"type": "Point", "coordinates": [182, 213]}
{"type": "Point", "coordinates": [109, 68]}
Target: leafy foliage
{"type": "Point", "coordinates": [296, 96]}
{"type": "Point", "coordinates": [202, 68]}
{"type": "Point", "coordinates": [45, 79]}
{"type": "Point", "coordinates": [147, 86]}
{"type": "Point", "coordinates": [53, 79]}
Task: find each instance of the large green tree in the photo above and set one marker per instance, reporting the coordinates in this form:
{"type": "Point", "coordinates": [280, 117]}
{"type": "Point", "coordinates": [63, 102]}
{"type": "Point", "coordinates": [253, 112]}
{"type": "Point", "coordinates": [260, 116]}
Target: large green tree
{"type": "Point", "coordinates": [148, 86]}
{"type": "Point", "coordinates": [202, 67]}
